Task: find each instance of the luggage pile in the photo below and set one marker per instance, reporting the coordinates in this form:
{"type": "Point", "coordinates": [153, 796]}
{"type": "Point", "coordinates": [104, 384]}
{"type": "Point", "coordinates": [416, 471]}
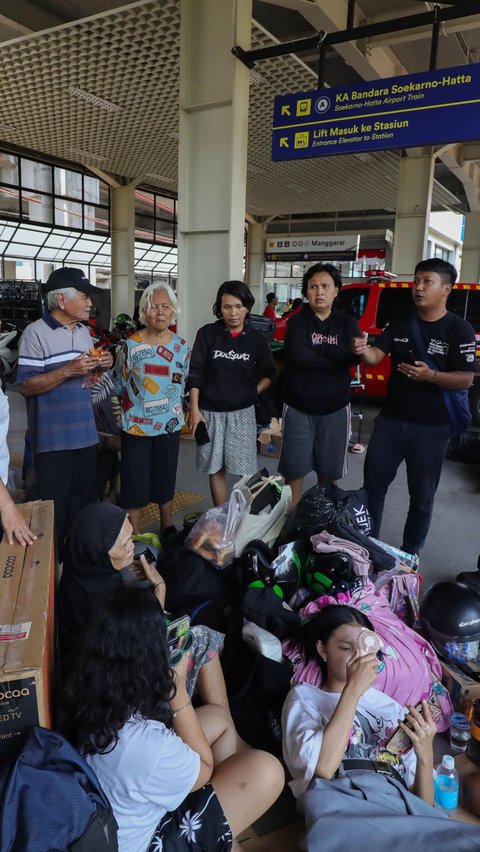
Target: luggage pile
{"type": "Point", "coordinates": [255, 569]}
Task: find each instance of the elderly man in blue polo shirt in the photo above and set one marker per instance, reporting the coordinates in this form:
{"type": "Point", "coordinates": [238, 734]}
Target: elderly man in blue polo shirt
{"type": "Point", "coordinates": [53, 360]}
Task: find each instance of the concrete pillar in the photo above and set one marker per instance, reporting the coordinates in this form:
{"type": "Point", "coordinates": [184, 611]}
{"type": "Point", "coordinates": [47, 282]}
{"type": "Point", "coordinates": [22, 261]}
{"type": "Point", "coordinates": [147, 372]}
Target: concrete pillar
{"type": "Point", "coordinates": [470, 268]}
{"type": "Point", "coordinates": [256, 264]}
{"type": "Point", "coordinates": [412, 214]}
{"type": "Point", "coordinates": [212, 154]}
{"type": "Point", "coordinates": [122, 218]}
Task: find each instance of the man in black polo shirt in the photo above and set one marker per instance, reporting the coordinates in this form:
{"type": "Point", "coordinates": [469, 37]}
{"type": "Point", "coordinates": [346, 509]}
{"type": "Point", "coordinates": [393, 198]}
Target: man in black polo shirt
{"type": "Point", "coordinates": [414, 423]}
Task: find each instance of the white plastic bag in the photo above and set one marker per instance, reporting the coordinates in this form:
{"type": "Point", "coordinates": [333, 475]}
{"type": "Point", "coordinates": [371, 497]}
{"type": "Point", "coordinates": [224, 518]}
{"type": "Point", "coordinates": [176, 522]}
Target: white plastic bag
{"type": "Point", "coordinates": [265, 526]}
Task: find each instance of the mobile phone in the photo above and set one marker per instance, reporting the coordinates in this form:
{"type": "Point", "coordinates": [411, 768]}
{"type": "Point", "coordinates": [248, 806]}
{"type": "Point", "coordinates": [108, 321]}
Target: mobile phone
{"type": "Point", "coordinates": [201, 435]}
{"type": "Point", "coordinates": [408, 358]}
{"type": "Point", "coordinates": [402, 356]}
{"type": "Point", "coordinates": [399, 742]}
{"type": "Point", "coordinates": [176, 630]}
{"type": "Point", "coordinates": [147, 553]}
{"type": "Point", "coordinates": [134, 575]}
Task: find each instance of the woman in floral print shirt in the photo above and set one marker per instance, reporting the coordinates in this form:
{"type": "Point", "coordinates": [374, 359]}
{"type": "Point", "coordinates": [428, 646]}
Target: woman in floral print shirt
{"type": "Point", "coordinates": [150, 373]}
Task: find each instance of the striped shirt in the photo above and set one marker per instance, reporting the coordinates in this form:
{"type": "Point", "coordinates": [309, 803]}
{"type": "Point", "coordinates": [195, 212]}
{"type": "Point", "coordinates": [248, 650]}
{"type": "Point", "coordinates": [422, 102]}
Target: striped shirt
{"type": "Point", "coordinates": [62, 418]}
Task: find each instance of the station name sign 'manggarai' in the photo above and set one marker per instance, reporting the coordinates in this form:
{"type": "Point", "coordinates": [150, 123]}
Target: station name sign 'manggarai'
{"type": "Point", "coordinates": [397, 112]}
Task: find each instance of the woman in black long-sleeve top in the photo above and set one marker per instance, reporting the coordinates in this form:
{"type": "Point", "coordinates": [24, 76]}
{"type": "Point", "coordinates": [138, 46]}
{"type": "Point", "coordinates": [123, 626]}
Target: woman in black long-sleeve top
{"type": "Point", "coordinates": [318, 356]}
{"type": "Point", "coordinates": [231, 365]}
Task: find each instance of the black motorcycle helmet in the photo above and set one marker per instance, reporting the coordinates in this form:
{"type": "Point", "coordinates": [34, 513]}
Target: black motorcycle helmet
{"type": "Point", "coordinates": [256, 568]}
{"type": "Point", "coordinates": [124, 324]}
{"type": "Point", "coordinates": [324, 571]}
{"type": "Point", "coordinates": [255, 564]}
{"type": "Point", "coordinates": [450, 615]}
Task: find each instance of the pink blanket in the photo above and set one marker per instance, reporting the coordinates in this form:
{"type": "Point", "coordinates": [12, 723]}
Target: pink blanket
{"type": "Point", "coordinates": [412, 669]}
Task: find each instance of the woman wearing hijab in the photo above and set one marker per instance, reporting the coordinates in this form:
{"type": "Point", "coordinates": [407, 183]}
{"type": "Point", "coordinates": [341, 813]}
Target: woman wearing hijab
{"type": "Point", "coordinates": [100, 547]}
{"type": "Point", "coordinates": [89, 572]}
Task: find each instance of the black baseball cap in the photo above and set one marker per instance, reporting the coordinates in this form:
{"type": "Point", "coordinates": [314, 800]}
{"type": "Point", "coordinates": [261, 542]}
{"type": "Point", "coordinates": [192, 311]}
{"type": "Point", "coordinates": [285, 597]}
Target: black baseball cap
{"type": "Point", "coordinates": [68, 276]}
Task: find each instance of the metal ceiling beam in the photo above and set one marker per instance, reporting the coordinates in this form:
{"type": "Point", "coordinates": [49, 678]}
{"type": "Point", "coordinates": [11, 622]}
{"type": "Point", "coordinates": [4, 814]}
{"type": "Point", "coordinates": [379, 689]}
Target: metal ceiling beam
{"type": "Point", "coordinates": [467, 173]}
{"type": "Point", "coordinates": [249, 57]}
{"type": "Point", "coordinates": [470, 152]}
{"type": "Point", "coordinates": [449, 27]}
{"type": "Point", "coordinates": [434, 40]}
{"type": "Point", "coordinates": [21, 29]}
{"type": "Point", "coordinates": [331, 16]}
{"type": "Point", "coordinates": [421, 33]}
{"type": "Point", "coordinates": [464, 9]}
{"type": "Point", "coordinates": [27, 17]}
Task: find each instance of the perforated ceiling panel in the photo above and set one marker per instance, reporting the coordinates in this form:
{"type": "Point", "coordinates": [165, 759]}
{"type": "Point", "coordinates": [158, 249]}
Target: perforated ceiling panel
{"type": "Point", "coordinates": [104, 92]}
{"type": "Point", "coordinates": [100, 91]}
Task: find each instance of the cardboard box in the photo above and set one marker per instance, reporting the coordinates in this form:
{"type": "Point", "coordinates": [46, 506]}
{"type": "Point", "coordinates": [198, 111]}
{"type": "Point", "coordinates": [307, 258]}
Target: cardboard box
{"type": "Point", "coordinates": [27, 579]}
{"type": "Point", "coordinates": [271, 449]}
{"type": "Point", "coordinates": [270, 439]}
{"type": "Point", "coordinates": [462, 688]}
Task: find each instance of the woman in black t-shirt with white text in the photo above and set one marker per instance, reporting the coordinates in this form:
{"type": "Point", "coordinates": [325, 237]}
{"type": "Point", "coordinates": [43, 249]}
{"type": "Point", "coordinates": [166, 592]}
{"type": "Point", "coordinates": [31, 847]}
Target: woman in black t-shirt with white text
{"type": "Point", "coordinates": [231, 365]}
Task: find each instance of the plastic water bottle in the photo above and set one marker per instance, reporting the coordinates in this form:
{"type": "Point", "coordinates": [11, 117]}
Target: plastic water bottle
{"type": "Point", "coordinates": [446, 786]}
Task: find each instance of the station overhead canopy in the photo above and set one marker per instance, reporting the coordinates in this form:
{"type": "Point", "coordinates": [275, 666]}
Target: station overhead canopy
{"type": "Point", "coordinates": [96, 82]}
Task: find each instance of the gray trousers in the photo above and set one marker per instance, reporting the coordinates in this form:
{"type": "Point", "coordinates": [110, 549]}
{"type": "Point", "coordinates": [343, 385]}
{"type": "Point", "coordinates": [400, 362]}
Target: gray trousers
{"type": "Point", "coordinates": [369, 812]}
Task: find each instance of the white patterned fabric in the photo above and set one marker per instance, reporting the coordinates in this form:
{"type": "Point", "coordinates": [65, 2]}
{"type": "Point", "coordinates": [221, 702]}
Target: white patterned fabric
{"type": "Point", "coordinates": [233, 442]}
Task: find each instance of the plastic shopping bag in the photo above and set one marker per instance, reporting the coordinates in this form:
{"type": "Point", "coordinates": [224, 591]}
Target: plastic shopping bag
{"type": "Point", "coordinates": [267, 525]}
{"type": "Point", "coordinates": [213, 536]}
{"type": "Point", "coordinates": [325, 504]}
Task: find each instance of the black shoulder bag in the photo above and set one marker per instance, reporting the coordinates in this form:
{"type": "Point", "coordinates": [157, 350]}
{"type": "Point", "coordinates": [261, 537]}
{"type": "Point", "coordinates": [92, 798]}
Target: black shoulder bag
{"type": "Point", "coordinates": [456, 401]}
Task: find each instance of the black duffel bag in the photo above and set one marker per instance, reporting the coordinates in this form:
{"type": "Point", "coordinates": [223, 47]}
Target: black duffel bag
{"type": "Point", "coordinates": [195, 588]}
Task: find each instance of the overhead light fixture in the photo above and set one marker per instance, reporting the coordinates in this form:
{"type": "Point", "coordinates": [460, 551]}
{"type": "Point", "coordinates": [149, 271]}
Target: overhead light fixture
{"type": "Point", "coordinates": [364, 157]}
{"type": "Point", "coordinates": [163, 178]}
{"type": "Point", "coordinates": [295, 187]}
{"type": "Point", "coordinates": [255, 170]}
{"type": "Point", "coordinates": [160, 177]}
{"type": "Point", "coordinates": [256, 79]}
{"type": "Point", "coordinates": [101, 103]}
{"type": "Point", "coordinates": [86, 155]}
